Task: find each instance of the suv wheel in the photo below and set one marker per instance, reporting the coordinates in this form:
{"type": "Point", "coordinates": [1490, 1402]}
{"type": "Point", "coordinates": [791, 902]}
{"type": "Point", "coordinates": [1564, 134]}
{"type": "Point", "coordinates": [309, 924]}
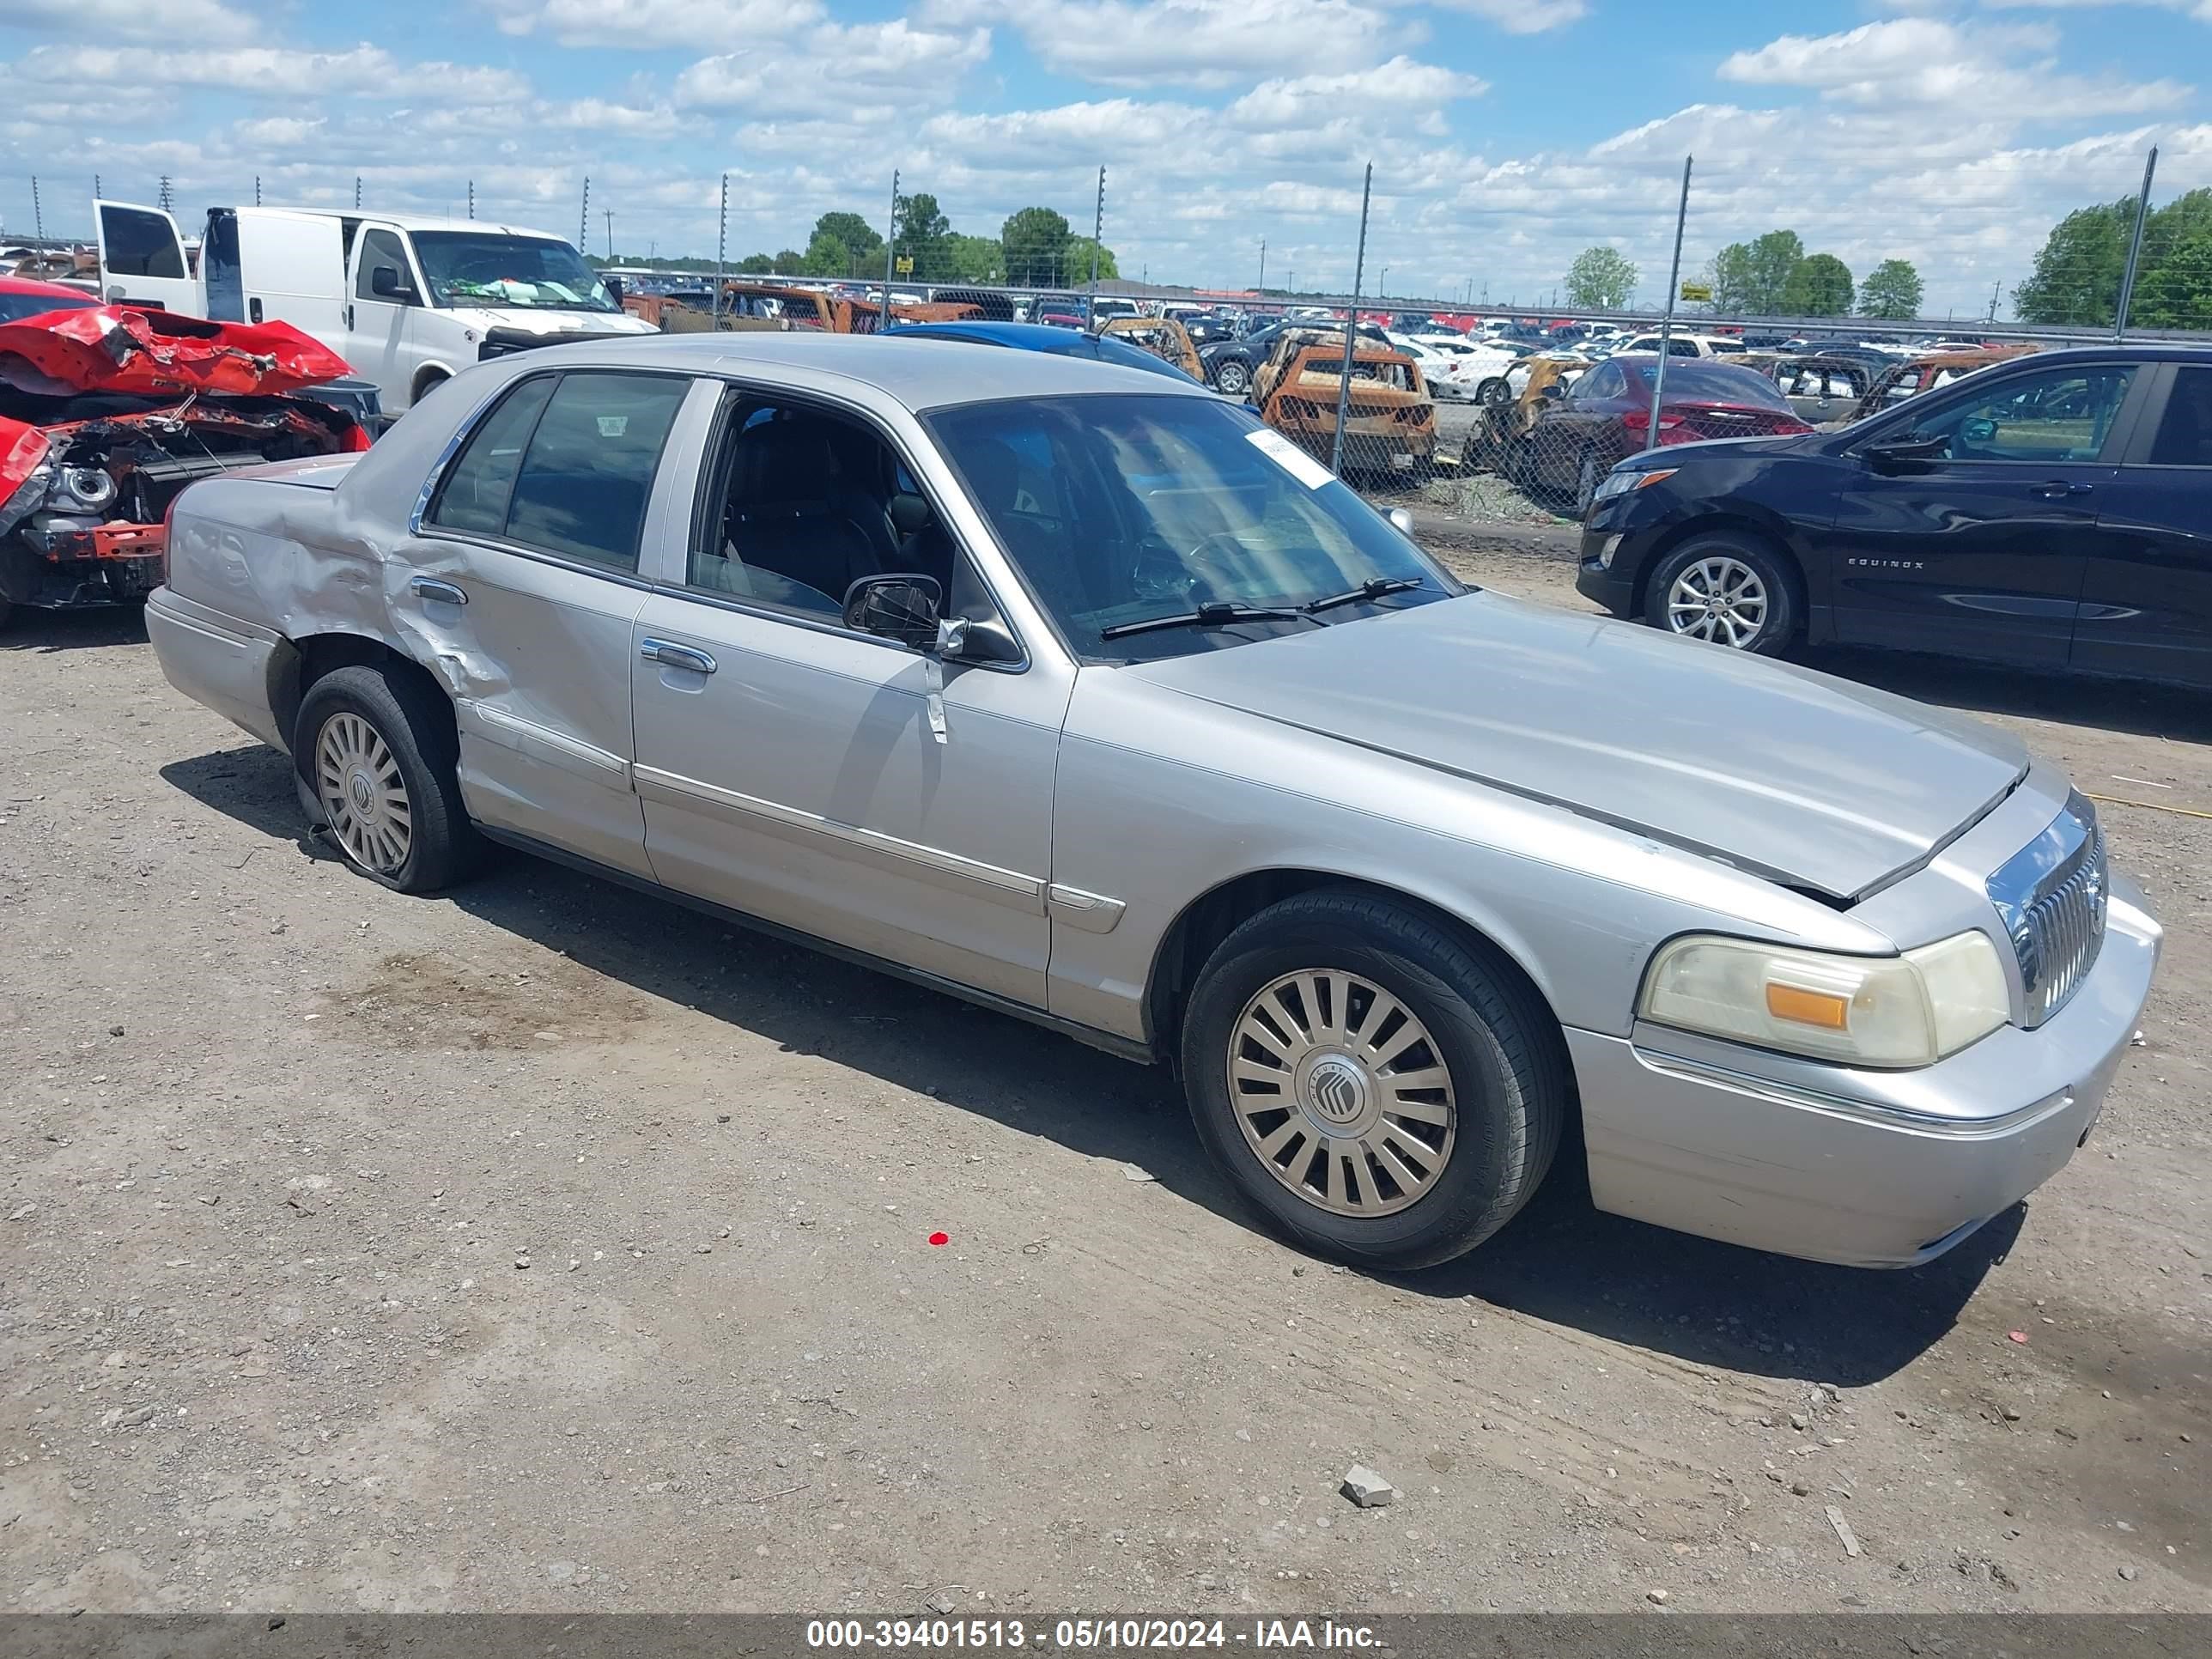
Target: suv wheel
{"type": "Point", "coordinates": [377, 762]}
{"type": "Point", "coordinates": [1372, 1086]}
{"type": "Point", "coordinates": [1233, 378]}
{"type": "Point", "coordinates": [1726, 589]}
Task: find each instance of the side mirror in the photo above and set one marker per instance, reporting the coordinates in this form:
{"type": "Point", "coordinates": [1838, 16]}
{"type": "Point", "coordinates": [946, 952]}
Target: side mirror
{"type": "Point", "coordinates": [1552, 391]}
{"type": "Point", "coordinates": [902, 606]}
{"type": "Point", "coordinates": [387, 284]}
{"type": "Point", "coordinates": [1905, 454]}
{"type": "Point", "coordinates": [614, 287]}
{"type": "Point", "coordinates": [1401, 520]}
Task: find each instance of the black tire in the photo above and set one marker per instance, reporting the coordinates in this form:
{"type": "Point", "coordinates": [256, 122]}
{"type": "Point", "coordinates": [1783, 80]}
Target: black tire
{"type": "Point", "coordinates": [6, 612]}
{"type": "Point", "coordinates": [1497, 1041]}
{"type": "Point", "coordinates": [1779, 584]}
{"type": "Point", "coordinates": [1233, 378]}
{"type": "Point", "coordinates": [442, 846]}
{"type": "Point", "coordinates": [1493, 393]}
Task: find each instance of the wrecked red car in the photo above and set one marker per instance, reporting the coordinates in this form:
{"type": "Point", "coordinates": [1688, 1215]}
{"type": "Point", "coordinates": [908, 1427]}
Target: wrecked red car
{"type": "Point", "coordinates": [107, 413]}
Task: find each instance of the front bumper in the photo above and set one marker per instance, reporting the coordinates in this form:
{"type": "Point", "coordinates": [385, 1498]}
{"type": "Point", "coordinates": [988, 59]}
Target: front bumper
{"type": "Point", "coordinates": [1875, 1169]}
{"type": "Point", "coordinates": [1603, 575]}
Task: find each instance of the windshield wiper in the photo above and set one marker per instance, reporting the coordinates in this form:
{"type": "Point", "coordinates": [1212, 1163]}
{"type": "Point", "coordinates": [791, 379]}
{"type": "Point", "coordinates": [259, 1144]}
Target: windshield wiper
{"type": "Point", "coordinates": [1375, 588]}
{"type": "Point", "coordinates": [1219, 615]}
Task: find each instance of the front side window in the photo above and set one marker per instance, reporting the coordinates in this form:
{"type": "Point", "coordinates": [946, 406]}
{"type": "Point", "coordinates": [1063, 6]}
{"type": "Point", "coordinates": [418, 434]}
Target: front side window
{"type": "Point", "coordinates": [487, 268]}
{"type": "Point", "coordinates": [382, 250]}
{"type": "Point", "coordinates": [1126, 508]}
{"type": "Point", "coordinates": [2057, 414]}
{"type": "Point", "coordinates": [566, 465]}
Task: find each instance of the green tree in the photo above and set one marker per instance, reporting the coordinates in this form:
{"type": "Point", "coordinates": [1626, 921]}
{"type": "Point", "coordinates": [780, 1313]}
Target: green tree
{"type": "Point", "coordinates": [1078, 261]}
{"type": "Point", "coordinates": [1035, 239]}
{"type": "Point", "coordinates": [1892, 291]}
{"type": "Point", "coordinates": [861, 239]}
{"type": "Point", "coordinates": [790, 262]}
{"type": "Point", "coordinates": [2077, 274]}
{"type": "Point", "coordinates": [973, 258]}
{"type": "Point", "coordinates": [826, 256]}
{"type": "Point", "coordinates": [1818, 286]}
{"type": "Point", "coordinates": [1749, 278]}
{"type": "Point", "coordinates": [2177, 292]}
{"type": "Point", "coordinates": [919, 229]}
{"type": "Point", "coordinates": [1600, 279]}
{"type": "Point", "coordinates": [757, 265]}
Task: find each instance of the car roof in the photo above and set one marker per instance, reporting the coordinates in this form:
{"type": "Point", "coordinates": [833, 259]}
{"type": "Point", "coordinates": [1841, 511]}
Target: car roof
{"type": "Point", "coordinates": [415, 221]}
{"type": "Point", "coordinates": [916, 374]}
{"type": "Point", "coordinates": [1043, 336]}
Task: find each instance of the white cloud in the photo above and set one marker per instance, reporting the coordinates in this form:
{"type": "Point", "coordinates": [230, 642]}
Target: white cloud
{"type": "Point", "coordinates": [2200, 9]}
{"type": "Point", "coordinates": [866, 72]}
{"type": "Point", "coordinates": [653, 25]}
{"type": "Point", "coordinates": [1928, 62]}
{"type": "Point", "coordinates": [207, 21]}
{"type": "Point", "coordinates": [1521, 17]}
{"type": "Point", "coordinates": [1191, 43]}
{"type": "Point", "coordinates": [363, 72]}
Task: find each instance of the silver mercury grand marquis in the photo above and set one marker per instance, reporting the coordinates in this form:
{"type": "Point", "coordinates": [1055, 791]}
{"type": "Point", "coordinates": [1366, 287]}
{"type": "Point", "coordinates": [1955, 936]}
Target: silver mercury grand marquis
{"type": "Point", "coordinates": [1082, 696]}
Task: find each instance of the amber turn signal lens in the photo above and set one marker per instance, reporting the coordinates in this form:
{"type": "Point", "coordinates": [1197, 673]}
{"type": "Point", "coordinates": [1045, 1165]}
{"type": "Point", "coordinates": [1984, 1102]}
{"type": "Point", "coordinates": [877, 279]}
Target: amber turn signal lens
{"type": "Point", "coordinates": [1822, 1008]}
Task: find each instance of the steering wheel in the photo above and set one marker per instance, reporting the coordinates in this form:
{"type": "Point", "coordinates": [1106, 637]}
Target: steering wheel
{"type": "Point", "coordinates": [1190, 577]}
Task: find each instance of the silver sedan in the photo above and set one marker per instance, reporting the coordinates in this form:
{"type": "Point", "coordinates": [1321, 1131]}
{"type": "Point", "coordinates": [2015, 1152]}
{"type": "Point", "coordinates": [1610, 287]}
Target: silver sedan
{"type": "Point", "coordinates": [1086, 697]}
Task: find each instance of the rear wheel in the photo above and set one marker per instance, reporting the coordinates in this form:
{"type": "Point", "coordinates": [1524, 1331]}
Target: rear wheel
{"type": "Point", "coordinates": [1370, 1084]}
{"type": "Point", "coordinates": [376, 760]}
{"type": "Point", "coordinates": [1493, 393]}
{"type": "Point", "coordinates": [1728, 589]}
{"type": "Point", "coordinates": [1233, 378]}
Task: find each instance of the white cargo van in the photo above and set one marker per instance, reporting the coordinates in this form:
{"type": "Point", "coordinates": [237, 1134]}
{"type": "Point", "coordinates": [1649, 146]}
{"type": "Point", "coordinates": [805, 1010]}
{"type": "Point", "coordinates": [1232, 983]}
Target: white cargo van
{"type": "Point", "coordinates": [408, 302]}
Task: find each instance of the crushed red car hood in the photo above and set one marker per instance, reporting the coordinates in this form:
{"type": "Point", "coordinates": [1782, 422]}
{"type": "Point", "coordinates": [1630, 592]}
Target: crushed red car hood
{"type": "Point", "coordinates": [156, 353]}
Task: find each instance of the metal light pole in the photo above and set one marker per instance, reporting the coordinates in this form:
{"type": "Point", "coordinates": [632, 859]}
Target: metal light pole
{"type": "Point", "coordinates": [1098, 231]}
{"type": "Point", "coordinates": [2134, 249]}
{"type": "Point", "coordinates": [1666, 323]}
{"type": "Point", "coordinates": [611, 234]}
{"type": "Point", "coordinates": [891, 251]}
{"type": "Point", "coordinates": [1351, 331]}
{"type": "Point", "coordinates": [722, 250]}
{"type": "Point", "coordinates": [37, 216]}
{"type": "Point", "coordinates": [1382, 284]}
{"type": "Point", "coordinates": [1263, 266]}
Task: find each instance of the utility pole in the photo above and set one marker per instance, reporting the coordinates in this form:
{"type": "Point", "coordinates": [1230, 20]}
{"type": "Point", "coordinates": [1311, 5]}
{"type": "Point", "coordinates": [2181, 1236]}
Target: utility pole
{"type": "Point", "coordinates": [584, 218]}
{"type": "Point", "coordinates": [1098, 231]}
{"type": "Point", "coordinates": [1996, 289]}
{"type": "Point", "coordinates": [1666, 323]}
{"type": "Point", "coordinates": [165, 199]}
{"type": "Point", "coordinates": [1383, 285]}
{"type": "Point", "coordinates": [722, 250]}
{"type": "Point", "coordinates": [37, 216]}
{"type": "Point", "coordinates": [1351, 331]}
{"type": "Point", "coordinates": [890, 250]}
{"type": "Point", "coordinates": [2135, 250]}
{"type": "Point", "coordinates": [611, 235]}
{"type": "Point", "coordinates": [1263, 264]}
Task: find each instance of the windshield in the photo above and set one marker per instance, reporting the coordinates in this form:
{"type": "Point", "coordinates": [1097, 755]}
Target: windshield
{"type": "Point", "coordinates": [1121, 507]}
{"type": "Point", "coordinates": [14, 307]}
{"type": "Point", "coordinates": [1695, 381]}
{"type": "Point", "coordinates": [484, 268]}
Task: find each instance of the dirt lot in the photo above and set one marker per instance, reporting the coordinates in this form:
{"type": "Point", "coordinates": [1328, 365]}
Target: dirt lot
{"type": "Point", "coordinates": [547, 1247]}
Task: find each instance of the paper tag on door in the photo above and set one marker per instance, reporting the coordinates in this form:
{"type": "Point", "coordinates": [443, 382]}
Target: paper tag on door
{"type": "Point", "coordinates": [1293, 459]}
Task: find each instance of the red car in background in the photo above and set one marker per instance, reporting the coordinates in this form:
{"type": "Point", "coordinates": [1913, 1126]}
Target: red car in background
{"type": "Point", "coordinates": [1581, 430]}
{"type": "Point", "coordinates": [107, 412]}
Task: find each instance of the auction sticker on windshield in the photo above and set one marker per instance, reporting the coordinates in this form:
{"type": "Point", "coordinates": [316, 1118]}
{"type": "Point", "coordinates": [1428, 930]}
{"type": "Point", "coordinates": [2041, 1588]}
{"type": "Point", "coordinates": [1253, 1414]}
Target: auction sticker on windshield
{"type": "Point", "coordinates": [1293, 459]}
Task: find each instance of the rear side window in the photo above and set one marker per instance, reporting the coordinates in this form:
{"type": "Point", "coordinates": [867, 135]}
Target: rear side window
{"type": "Point", "coordinates": [2184, 435]}
{"type": "Point", "coordinates": [566, 465]}
{"type": "Point", "coordinates": [140, 243]}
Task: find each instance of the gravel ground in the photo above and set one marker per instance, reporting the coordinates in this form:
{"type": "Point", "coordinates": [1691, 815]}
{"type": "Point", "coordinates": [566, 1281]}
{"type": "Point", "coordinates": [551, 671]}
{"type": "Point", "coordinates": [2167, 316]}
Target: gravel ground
{"type": "Point", "coordinates": [548, 1247]}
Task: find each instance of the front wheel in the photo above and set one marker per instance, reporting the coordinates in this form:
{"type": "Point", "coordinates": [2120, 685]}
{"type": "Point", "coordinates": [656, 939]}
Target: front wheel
{"type": "Point", "coordinates": [1233, 378]}
{"type": "Point", "coordinates": [1726, 589]}
{"type": "Point", "coordinates": [1369, 1082]}
{"type": "Point", "coordinates": [1587, 476]}
{"type": "Point", "coordinates": [377, 762]}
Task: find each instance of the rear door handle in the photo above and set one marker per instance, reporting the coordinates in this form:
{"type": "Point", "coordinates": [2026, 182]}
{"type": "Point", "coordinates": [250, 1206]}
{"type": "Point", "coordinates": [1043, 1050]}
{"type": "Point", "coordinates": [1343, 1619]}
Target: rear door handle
{"type": "Point", "coordinates": [2056, 491]}
{"type": "Point", "coordinates": [672, 655]}
{"type": "Point", "coordinates": [429, 588]}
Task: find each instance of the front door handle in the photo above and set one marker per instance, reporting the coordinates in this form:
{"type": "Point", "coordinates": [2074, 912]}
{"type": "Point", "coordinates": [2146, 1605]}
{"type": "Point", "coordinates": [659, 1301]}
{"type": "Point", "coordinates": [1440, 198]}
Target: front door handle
{"type": "Point", "coordinates": [429, 588]}
{"type": "Point", "coordinates": [672, 655]}
{"type": "Point", "coordinates": [2056, 491]}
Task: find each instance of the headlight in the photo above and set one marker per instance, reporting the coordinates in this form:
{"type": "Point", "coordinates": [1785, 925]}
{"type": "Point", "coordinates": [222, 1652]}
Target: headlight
{"type": "Point", "coordinates": [1619, 482]}
{"type": "Point", "coordinates": [1895, 1011]}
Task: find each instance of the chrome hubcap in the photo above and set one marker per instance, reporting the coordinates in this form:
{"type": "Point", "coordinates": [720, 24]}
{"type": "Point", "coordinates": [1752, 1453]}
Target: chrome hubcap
{"type": "Point", "coordinates": [1342, 1093]}
{"type": "Point", "coordinates": [1718, 598]}
{"type": "Point", "coordinates": [358, 781]}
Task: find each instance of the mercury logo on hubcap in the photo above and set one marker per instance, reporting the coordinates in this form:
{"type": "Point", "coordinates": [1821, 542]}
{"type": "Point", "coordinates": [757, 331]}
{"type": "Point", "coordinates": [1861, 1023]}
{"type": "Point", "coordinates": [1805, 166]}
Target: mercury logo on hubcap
{"type": "Point", "coordinates": [1338, 1091]}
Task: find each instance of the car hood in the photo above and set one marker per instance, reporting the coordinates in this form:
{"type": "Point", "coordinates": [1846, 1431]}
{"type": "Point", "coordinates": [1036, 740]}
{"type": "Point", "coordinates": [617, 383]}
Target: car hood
{"type": "Point", "coordinates": [160, 353]}
{"type": "Point", "coordinates": [1813, 782]}
{"type": "Point", "coordinates": [548, 320]}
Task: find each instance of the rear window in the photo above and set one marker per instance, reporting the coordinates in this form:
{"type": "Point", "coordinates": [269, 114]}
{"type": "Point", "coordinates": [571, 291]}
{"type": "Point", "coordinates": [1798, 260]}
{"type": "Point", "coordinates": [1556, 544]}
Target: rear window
{"type": "Point", "coordinates": [1702, 381]}
{"type": "Point", "coordinates": [569, 468]}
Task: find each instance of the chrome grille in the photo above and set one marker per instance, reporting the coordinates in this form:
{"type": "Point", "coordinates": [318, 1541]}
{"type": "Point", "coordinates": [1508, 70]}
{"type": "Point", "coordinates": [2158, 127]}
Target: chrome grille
{"type": "Point", "coordinates": [2052, 895]}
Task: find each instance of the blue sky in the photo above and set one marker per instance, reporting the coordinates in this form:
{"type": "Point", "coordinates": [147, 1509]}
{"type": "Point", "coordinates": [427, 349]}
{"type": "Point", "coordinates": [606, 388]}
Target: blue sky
{"type": "Point", "coordinates": [1507, 135]}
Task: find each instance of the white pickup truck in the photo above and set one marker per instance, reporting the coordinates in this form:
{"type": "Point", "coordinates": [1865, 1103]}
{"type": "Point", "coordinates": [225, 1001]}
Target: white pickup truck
{"type": "Point", "coordinates": [408, 301]}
